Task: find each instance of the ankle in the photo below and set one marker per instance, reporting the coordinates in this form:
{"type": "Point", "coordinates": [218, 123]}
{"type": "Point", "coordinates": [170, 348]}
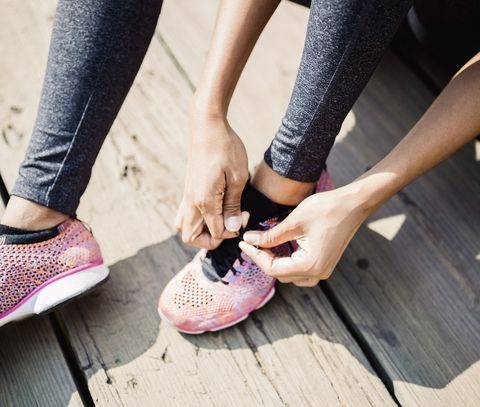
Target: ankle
{"type": "Point", "coordinates": [279, 189]}
{"type": "Point", "coordinates": [23, 214]}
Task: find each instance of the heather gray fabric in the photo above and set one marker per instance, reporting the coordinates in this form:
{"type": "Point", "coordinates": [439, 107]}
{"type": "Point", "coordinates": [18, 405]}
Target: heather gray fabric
{"type": "Point", "coordinates": [96, 50]}
{"type": "Point", "coordinates": [345, 42]}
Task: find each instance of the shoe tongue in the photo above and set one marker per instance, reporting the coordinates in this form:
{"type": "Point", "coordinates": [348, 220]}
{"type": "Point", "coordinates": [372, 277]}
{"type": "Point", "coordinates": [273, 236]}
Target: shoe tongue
{"type": "Point", "coordinates": [218, 262]}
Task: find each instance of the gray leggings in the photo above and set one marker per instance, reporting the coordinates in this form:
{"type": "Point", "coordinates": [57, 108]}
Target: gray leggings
{"type": "Point", "coordinates": [96, 50]}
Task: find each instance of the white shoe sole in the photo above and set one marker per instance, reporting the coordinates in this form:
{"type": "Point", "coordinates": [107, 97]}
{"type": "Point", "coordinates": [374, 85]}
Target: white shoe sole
{"type": "Point", "coordinates": [227, 325]}
{"type": "Point", "coordinates": [58, 292]}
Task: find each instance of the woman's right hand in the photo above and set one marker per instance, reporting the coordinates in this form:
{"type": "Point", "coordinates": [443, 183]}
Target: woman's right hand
{"type": "Point", "coordinates": [217, 172]}
{"type": "Point", "coordinates": [217, 161]}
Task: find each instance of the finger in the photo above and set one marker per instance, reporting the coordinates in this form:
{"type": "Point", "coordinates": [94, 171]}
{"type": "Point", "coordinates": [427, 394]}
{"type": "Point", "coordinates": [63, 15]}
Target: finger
{"type": "Point", "coordinates": [210, 214]}
{"type": "Point", "coordinates": [214, 219]}
{"type": "Point", "coordinates": [281, 233]}
{"type": "Point", "coordinates": [228, 235]}
{"type": "Point", "coordinates": [245, 218]}
{"type": "Point", "coordinates": [307, 282]}
{"type": "Point", "coordinates": [286, 280]}
{"type": "Point", "coordinates": [194, 233]}
{"type": "Point", "coordinates": [231, 206]}
{"type": "Point", "coordinates": [205, 241]}
{"type": "Point", "coordinates": [209, 203]}
{"type": "Point", "coordinates": [278, 267]}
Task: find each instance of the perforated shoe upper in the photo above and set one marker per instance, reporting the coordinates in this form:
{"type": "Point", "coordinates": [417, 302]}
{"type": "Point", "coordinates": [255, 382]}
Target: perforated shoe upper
{"type": "Point", "coordinates": [25, 267]}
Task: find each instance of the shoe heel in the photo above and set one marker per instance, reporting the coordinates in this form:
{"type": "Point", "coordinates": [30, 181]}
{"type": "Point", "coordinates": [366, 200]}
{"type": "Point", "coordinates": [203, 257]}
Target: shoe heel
{"type": "Point", "coordinates": [68, 288]}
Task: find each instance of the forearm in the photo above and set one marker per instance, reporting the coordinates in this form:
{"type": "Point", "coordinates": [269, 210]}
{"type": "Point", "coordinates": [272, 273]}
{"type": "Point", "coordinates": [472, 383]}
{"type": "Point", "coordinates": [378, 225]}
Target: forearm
{"type": "Point", "coordinates": [451, 121]}
{"type": "Point", "coordinates": [238, 25]}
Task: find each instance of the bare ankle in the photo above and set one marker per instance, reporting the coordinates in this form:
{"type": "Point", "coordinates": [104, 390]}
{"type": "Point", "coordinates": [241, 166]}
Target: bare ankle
{"type": "Point", "coordinates": [280, 189]}
{"type": "Point", "coordinates": [23, 214]}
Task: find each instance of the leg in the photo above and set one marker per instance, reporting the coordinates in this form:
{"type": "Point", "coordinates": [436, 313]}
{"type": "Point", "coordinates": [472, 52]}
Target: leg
{"type": "Point", "coordinates": [345, 41]}
{"type": "Point", "coordinates": [96, 50]}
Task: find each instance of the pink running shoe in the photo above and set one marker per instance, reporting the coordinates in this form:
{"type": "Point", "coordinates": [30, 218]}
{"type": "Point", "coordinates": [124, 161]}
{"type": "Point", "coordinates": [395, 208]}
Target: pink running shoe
{"type": "Point", "coordinates": [36, 277]}
{"type": "Point", "coordinates": [220, 288]}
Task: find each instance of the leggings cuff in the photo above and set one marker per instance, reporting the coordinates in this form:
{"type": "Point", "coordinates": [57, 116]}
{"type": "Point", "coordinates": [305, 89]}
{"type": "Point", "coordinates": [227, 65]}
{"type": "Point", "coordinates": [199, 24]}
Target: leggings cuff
{"type": "Point", "coordinates": [34, 194]}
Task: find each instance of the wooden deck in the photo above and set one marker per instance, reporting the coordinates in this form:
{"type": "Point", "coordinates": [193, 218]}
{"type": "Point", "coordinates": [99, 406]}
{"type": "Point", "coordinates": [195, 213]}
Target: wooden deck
{"type": "Point", "coordinates": [398, 323]}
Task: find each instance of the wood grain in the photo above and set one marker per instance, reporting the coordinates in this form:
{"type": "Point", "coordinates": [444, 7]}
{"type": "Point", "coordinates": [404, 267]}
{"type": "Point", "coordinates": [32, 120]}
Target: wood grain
{"type": "Point", "coordinates": [440, 238]}
{"type": "Point", "coordinates": [283, 356]}
{"type": "Point", "coordinates": [414, 298]}
{"type": "Point", "coordinates": [33, 370]}
{"type": "Point", "coordinates": [241, 366]}
{"type": "Point", "coordinates": [266, 83]}
{"type": "Point", "coordinates": [32, 359]}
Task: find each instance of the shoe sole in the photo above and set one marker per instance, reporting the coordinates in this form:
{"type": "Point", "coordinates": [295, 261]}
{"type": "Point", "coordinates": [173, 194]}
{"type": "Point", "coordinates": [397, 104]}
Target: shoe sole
{"type": "Point", "coordinates": [58, 292]}
{"type": "Point", "coordinates": [267, 298]}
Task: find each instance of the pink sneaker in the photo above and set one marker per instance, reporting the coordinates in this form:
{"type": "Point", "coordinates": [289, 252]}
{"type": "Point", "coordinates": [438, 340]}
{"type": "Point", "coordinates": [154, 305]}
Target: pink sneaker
{"type": "Point", "coordinates": [36, 277]}
{"type": "Point", "coordinates": [220, 288]}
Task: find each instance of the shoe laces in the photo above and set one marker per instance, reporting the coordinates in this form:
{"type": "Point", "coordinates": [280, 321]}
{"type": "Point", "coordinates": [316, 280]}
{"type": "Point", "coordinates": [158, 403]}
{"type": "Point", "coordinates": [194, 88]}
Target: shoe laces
{"type": "Point", "coordinates": [220, 261]}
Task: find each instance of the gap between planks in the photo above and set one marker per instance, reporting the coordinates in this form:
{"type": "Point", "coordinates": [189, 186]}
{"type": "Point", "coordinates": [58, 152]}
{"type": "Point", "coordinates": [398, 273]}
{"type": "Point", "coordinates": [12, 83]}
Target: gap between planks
{"type": "Point", "coordinates": [97, 341]}
{"type": "Point", "coordinates": [43, 333]}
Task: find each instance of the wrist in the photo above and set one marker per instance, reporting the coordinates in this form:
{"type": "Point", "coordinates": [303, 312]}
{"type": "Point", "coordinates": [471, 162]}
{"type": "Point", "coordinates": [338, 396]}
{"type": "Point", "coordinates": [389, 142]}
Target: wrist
{"type": "Point", "coordinates": [208, 105]}
{"type": "Point", "coordinates": [372, 190]}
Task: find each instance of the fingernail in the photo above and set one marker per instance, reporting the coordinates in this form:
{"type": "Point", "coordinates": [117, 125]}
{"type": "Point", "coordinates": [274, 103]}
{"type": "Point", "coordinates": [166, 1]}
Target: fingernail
{"type": "Point", "coordinates": [252, 237]}
{"type": "Point", "coordinates": [245, 218]}
{"type": "Point", "coordinates": [233, 223]}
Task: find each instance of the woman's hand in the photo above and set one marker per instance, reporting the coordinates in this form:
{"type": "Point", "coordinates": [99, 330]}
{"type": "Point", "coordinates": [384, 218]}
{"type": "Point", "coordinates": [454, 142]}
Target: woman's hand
{"type": "Point", "coordinates": [323, 225]}
{"type": "Point", "coordinates": [217, 169]}
{"type": "Point", "coordinates": [216, 175]}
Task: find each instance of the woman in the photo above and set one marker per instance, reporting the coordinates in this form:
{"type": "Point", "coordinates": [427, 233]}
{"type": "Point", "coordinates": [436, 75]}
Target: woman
{"type": "Point", "coordinates": [345, 41]}
{"type": "Point", "coordinates": [327, 222]}
{"type": "Point", "coordinates": [95, 53]}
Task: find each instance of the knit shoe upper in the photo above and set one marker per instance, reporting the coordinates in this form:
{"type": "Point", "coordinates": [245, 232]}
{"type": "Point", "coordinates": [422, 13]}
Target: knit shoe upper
{"type": "Point", "coordinates": [27, 267]}
{"type": "Point", "coordinates": [220, 288]}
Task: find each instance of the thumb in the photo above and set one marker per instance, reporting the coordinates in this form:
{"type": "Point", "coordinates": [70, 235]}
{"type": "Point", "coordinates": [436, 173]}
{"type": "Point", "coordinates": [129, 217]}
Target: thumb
{"type": "Point", "coordinates": [231, 208]}
{"type": "Point", "coordinates": [281, 233]}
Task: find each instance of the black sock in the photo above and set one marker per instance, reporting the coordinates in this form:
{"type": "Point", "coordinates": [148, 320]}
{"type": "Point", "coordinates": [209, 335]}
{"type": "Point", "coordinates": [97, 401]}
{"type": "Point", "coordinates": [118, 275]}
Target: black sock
{"type": "Point", "coordinates": [21, 236]}
{"type": "Point", "coordinates": [261, 208]}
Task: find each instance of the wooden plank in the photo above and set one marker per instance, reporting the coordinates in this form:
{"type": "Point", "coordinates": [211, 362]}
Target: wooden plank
{"type": "Point", "coordinates": [283, 356]}
{"type": "Point", "coordinates": [264, 89]}
{"type": "Point", "coordinates": [37, 365]}
{"type": "Point", "coordinates": [413, 295]}
{"type": "Point", "coordinates": [231, 357]}
{"type": "Point", "coordinates": [454, 235]}
{"type": "Point", "coordinates": [33, 370]}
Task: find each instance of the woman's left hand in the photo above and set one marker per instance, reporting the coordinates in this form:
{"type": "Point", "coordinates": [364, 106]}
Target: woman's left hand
{"type": "Point", "coordinates": [323, 225]}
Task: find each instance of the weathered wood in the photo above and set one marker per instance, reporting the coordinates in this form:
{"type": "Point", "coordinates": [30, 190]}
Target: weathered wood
{"type": "Point", "coordinates": [445, 209]}
{"type": "Point", "coordinates": [414, 298]}
{"type": "Point", "coordinates": [283, 356]}
{"type": "Point", "coordinates": [30, 358]}
{"type": "Point", "coordinates": [33, 370]}
{"type": "Point", "coordinates": [219, 370]}
{"type": "Point", "coordinates": [264, 89]}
